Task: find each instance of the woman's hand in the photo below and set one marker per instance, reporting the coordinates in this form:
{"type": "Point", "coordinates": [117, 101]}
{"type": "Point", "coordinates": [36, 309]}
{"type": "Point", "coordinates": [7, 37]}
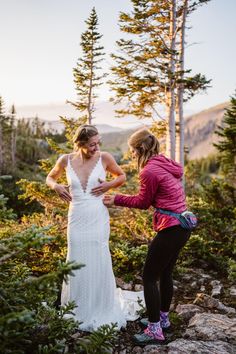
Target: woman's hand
{"type": "Point", "coordinates": [108, 200]}
{"type": "Point", "coordinates": [101, 189]}
{"type": "Point", "coordinates": [62, 191]}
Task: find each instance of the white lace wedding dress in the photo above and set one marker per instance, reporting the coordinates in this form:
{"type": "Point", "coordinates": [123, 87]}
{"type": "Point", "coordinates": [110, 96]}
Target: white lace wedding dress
{"type": "Point", "coordinates": [93, 287]}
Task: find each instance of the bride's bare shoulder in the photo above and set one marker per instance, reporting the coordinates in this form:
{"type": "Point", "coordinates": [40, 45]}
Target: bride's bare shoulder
{"type": "Point", "coordinates": [63, 159]}
{"type": "Point", "coordinates": [107, 159]}
{"type": "Point", "coordinates": [106, 156]}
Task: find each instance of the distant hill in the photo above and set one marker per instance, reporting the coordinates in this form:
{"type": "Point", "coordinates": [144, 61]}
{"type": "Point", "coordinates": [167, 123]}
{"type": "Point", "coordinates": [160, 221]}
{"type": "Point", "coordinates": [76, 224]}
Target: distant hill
{"type": "Point", "coordinates": [117, 141]}
{"type": "Point", "coordinates": [199, 133]}
{"type": "Point", "coordinates": [200, 128]}
{"type": "Point", "coordinates": [104, 113]}
{"type": "Point", "coordinates": [103, 128]}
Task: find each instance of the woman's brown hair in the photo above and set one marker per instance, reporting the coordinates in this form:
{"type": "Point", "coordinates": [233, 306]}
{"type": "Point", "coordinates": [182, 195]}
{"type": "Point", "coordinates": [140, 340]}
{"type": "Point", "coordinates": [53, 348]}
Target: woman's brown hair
{"type": "Point", "coordinates": [145, 144]}
{"type": "Point", "coordinates": [83, 133]}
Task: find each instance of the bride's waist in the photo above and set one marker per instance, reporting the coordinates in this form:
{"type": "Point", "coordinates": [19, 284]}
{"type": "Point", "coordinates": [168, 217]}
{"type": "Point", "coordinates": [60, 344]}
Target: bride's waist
{"type": "Point", "coordinates": [86, 199]}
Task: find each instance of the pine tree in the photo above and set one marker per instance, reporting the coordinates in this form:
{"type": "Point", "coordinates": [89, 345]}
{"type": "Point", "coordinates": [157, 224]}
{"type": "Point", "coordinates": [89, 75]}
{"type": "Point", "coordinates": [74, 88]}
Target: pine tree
{"type": "Point", "coordinates": [187, 86]}
{"type": "Point", "coordinates": [13, 137]}
{"type": "Point", "coordinates": [147, 71]}
{"type": "Point", "coordinates": [227, 143]}
{"type": "Point", "coordinates": [5, 139]}
{"type": "Point", "coordinates": [38, 127]}
{"type": "Point", "coordinates": [1, 133]}
{"type": "Point", "coordinates": [86, 78]}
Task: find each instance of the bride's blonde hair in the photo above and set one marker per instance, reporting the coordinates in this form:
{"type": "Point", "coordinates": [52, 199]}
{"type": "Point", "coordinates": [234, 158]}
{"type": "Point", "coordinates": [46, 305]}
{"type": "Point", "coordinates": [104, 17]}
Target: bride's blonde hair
{"type": "Point", "coordinates": [82, 135]}
{"type": "Point", "coordinates": [145, 144]}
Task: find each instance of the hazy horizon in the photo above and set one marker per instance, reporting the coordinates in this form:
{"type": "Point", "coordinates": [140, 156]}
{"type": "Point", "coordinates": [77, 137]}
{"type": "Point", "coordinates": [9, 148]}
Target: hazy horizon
{"type": "Point", "coordinates": [104, 115]}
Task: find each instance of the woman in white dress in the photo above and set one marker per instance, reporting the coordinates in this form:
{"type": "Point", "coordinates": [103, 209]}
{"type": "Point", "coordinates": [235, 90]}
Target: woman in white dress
{"type": "Point", "coordinates": [93, 287]}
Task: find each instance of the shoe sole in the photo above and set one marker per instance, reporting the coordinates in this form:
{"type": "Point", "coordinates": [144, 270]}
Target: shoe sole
{"type": "Point", "coordinates": [151, 341]}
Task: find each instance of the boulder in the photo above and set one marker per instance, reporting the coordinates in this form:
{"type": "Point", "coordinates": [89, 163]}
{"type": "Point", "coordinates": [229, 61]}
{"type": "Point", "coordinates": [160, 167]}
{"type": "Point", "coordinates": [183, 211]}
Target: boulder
{"type": "Point", "coordinates": [183, 346]}
{"type": "Point", "coordinates": [187, 311]}
{"type": "Point", "coordinates": [209, 326]}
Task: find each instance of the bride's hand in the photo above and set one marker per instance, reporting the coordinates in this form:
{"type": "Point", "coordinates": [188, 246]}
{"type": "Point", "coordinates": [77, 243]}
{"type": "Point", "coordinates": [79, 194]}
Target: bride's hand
{"type": "Point", "coordinates": [101, 189]}
{"type": "Point", "coordinates": [62, 191]}
{"type": "Point", "coordinates": [108, 200]}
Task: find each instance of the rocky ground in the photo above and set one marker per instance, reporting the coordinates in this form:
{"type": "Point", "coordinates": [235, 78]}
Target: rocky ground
{"type": "Point", "coordinates": [203, 318]}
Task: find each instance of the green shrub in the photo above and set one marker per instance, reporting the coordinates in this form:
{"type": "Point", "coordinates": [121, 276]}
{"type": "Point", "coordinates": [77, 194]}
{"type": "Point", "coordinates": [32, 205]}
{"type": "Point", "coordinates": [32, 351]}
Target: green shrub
{"type": "Point", "coordinates": [128, 259]}
{"type": "Point", "coordinates": [232, 269]}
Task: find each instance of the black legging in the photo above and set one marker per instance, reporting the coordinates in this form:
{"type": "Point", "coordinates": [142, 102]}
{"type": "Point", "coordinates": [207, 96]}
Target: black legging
{"type": "Point", "coordinates": [161, 258]}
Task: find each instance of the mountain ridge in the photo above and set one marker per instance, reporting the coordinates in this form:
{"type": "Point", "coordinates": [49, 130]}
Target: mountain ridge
{"type": "Point", "coordinates": [199, 133]}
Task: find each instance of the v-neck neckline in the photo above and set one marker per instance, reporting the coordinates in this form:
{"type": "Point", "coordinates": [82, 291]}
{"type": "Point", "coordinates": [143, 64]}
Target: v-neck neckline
{"type": "Point", "coordinates": [84, 190]}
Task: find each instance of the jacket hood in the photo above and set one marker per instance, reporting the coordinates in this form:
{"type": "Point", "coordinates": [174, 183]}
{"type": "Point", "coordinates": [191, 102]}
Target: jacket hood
{"type": "Point", "coordinates": [169, 165]}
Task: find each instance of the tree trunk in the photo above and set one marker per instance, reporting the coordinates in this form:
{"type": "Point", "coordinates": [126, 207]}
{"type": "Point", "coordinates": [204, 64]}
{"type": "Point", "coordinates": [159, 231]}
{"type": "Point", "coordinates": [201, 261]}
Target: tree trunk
{"type": "Point", "coordinates": [170, 136]}
{"type": "Point", "coordinates": [180, 91]}
{"type": "Point", "coordinates": [1, 148]}
{"type": "Point", "coordinates": [90, 103]}
{"type": "Point", "coordinates": [13, 148]}
{"type": "Point", "coordinates": [170, 96]}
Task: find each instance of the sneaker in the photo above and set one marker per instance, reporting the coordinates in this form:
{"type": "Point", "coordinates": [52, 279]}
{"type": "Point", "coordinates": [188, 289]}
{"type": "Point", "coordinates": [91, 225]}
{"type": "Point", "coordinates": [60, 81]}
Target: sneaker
{"type": "Point", "coordinates": [155, 331]}
{"type": "Point", "coordinates": [165, 323]}
{"type": "Point", "coordinates": [144, 322]}
{"type": "Point", "coordinates": [145, 339]}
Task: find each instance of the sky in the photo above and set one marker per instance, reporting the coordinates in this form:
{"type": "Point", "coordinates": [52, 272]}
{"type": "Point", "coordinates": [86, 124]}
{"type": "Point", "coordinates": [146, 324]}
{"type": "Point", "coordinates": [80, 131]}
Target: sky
{"type": "Point", "coordinates": [40, 47]}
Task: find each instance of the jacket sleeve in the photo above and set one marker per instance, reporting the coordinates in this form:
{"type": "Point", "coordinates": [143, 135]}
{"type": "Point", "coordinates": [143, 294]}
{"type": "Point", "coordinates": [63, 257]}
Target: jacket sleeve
{"type": "Point", "coordinates": [147, 191]}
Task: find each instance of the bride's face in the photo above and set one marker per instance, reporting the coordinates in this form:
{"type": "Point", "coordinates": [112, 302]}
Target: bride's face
{"type": "Point", "coordinates": [92, 146]}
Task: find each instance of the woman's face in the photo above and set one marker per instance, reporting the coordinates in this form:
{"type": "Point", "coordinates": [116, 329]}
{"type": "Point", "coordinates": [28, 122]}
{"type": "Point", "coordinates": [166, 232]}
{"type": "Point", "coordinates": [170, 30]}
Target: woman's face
{"type": "Point", "coordinates": [92, 146]}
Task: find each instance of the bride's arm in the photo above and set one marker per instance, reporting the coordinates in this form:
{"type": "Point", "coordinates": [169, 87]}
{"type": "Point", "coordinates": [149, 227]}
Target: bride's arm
{"type": "Point", "coordinates": [111, 166]}
{"type": "Point", "coordinates": [53, 176]}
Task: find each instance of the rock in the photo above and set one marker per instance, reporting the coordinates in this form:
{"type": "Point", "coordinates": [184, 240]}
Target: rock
{"type": "Point", "coordinates": [209, 302]}
{"type": "Point", "coordinates": [172, 306]}
{"type": "Point", "coordinates": [176, 282]}
{"type": "Point", "coordinates": [77, 335]}
{"type": "Point", "coordinates": [183, 346]}
{"type": "Point", "coordinates": [208, 326]}
{"type": "Point", "coordinates": [187, 311]}
{"type": "Point", "coordinates": [204, 279]}
{"type": "Point", "coordinates": [138, 278]}
{"type": "Point", "coordinates": [121, 284]}
{"type": "Point", "coordinates": [202, 288]}
{"type": "Point", "coordinates": [205, 276]}
{"type": "Point", "coordinates": [155, 349]}
{"type": "Point", "coordinates": [175, 288]}
{"type": "Point", "coordinates": [232, 291]}
{"type": "Point", "coordinates": [137, 350]}
{"type": "Point", "coordinates": [187, 277]}
{"type": "Point", "coordinates": [193, 284]}
{"type": "Point", "coordinates": [216, 287]}
{"type": "Point", "coordinates": [138, 287]}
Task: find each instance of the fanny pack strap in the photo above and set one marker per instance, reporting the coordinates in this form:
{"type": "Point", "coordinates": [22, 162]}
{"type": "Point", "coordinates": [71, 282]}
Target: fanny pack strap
{"type": "Point", "coordinates": [168, 212]}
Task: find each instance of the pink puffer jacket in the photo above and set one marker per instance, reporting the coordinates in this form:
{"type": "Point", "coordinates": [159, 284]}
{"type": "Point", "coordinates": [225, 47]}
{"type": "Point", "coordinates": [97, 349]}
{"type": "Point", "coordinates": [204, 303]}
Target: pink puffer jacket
{"type": "Point", "coordinates": [161, 187]}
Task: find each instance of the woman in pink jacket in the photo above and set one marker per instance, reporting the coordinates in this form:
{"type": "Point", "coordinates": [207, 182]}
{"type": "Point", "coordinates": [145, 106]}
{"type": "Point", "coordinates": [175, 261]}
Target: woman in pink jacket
{"type": "Point", "coordinates": [160, 187]}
